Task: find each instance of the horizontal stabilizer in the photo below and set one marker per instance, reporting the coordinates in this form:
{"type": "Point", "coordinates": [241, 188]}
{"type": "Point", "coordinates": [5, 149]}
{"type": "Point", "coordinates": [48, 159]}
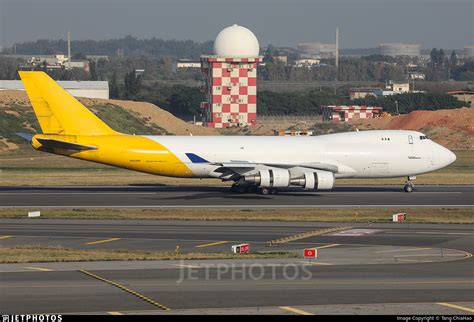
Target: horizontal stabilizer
{"type": "Point", "coordinates": [57, 144]}
{"type": "Point", "coordinates": [26, 136]}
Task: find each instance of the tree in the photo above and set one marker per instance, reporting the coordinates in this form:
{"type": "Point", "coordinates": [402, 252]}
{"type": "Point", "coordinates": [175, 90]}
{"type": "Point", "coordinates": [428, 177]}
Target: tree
{"type": "Point", "coordinates": [453, 60]}
{"type": "Point", "coordinates": [434, 57]}
{"type": "Point", "coordinates": [132, 84]}
{"type": "Point", "coordinates": [93, 71]}
{"type": "Point", "coordinates": [185, 101]}
{"type": "Point", "coordinates": [441, 57]}
{"type": "Point", "coordinates": [114, 90]}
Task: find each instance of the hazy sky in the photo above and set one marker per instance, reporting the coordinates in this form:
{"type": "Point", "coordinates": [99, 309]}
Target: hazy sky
{"type": "Point", "coordinates": [362, 23]}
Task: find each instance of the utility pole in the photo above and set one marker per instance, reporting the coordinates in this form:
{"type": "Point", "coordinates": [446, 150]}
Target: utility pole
{"type": "Point", "coordinates": [337, 60]}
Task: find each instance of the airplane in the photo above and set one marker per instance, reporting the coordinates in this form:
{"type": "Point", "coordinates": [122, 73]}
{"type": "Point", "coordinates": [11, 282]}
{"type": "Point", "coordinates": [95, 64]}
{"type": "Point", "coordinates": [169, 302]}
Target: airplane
{"type": "Point", "coordinates": [256, 164]}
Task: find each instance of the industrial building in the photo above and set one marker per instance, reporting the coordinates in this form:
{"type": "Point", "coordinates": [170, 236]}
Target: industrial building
{"type": "Point", "coordinates": [464, 96]}
{"type": "Point", "coordinates": [468, 51]}
{"type": "Point", "coordinates": [317, 50]}
{"type": "Point", "coordinates": [306, 62]}
{"type": "Point", "coordinates": [392, 88]}
{"type": "Point", "coordinates": [400, 49]}
{"type": "Point", "coordinates": [344, 113]}
{"type": "Point", "coordinates": [231, 79]}
{"type": "Point", "coordinates": [88, 89]}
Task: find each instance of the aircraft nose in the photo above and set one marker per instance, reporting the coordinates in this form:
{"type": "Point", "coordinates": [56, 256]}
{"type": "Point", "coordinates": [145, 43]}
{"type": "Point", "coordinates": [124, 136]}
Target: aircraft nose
{"type": "Point", "coordinates": [449, 157]}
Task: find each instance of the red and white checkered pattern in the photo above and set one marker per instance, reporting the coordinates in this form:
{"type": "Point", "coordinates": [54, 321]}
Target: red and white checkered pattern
{"type": "Point", "coordinates": [231, 90]}
{"type": "Point", "coordinates": [343, 113]}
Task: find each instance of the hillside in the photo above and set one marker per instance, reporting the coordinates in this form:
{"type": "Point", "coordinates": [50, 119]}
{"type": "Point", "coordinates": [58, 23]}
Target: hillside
{"type": "Point", "coordinates": [452, 128]}
{"type": "Point", "coordinates": [16, 115]}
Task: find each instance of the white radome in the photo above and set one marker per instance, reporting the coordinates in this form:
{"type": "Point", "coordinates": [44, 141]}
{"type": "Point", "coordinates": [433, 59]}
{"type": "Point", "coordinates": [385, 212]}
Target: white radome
{"type": "Point", "coordinates": [236, 41]}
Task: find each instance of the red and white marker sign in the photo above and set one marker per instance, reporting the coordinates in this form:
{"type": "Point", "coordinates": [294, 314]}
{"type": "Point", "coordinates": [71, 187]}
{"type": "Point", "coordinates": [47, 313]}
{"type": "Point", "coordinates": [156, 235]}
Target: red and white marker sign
{"type": "Point", "coordinates": [310, 253]}
{"type": "Point", "coordinates": [399, 217]}
{"type": "Point", "coordinates": [241, 248]}
{"type": "Point", "coordinates": [244, 248]}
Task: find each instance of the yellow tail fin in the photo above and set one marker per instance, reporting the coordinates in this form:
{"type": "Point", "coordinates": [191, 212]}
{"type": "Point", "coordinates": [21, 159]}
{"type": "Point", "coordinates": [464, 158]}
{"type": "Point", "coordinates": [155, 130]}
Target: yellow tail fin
{"type": "Point", "coordinates": [58, 112]}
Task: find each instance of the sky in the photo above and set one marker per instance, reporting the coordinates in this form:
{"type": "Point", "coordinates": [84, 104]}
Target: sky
{"type": "Point", "coordinates": [362, 23]}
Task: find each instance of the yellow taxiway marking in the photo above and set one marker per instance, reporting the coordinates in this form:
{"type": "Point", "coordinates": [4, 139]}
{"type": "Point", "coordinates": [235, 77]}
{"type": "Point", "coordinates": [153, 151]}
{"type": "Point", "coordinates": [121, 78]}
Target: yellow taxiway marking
{"type": "Point", "coordinates": [115, 313]}
{"type": "Point", "coordinates": [211, 244]}
{"type": "Point", "coordinates": [292, 309]}
{"type": "Point", "coordinates": [5, 237]}
{"type": "Point", "coordinates": [400, 250]}
{"type": "Point", "coordinates": [327, 246]}
{"type": "Point", "coordinates": [102, 241]}
{"type": "Point", "coordinates": [41, 269]}
{"type": "Point", "coordinates": [459, 307]}
{"type": "Point", "coordinates": [126, 289]}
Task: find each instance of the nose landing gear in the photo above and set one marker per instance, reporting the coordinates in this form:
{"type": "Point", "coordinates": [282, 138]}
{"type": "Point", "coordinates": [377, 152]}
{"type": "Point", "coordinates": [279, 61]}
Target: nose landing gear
{"type": "Point", "coordinates": [409, 185]}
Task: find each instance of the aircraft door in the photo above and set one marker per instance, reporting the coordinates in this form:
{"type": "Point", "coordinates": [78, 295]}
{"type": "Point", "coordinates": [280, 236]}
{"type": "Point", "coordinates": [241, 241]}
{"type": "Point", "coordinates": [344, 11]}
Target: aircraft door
{"type": "Point", "coordinates": [411, 144]}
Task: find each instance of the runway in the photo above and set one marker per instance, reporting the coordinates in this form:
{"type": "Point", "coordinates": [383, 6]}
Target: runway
{"type": "Point", "coordinates": [212, 197]}
{"type": "Point", "coordinates": [382, 268]}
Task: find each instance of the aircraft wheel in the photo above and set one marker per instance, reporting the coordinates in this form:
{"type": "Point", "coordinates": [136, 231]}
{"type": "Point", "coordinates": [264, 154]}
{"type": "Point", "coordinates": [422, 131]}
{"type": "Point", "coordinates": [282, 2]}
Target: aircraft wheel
{"type": "Point", "coordinates": [408, 188]}
{"type": "Point", "coordinates": [264, 191]}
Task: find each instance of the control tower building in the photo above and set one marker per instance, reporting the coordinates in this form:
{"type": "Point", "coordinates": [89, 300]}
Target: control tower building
{"type": "Point", "coordinates": [231, 79]}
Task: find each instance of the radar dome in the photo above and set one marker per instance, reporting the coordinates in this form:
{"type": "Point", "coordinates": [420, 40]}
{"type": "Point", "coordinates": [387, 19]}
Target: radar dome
{"type": "Point", "coordinates": [236, 41]}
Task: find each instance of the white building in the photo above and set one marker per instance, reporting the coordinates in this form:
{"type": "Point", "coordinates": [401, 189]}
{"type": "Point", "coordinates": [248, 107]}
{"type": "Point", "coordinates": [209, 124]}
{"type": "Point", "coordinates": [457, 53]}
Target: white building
{"type": "Point", "coordinates": [306, 62]}
{"type": "Point", "coordinates": [88, 89]}
{"type": "Point", "coordinates": [393, 89]}
{"type": "Point", "coordinates": [185, 64]}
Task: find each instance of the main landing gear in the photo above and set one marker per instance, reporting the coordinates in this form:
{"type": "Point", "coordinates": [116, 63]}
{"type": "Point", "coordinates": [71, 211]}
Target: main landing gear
{"type": "Point", "coordinates": [409, 185]}
{"type": "Point", "coordinates": [251, 188]}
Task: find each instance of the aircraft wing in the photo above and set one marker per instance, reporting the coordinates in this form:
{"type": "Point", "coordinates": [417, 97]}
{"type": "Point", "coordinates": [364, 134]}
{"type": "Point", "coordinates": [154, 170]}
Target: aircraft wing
{"type": "Point", "coordinates": [234, 170]}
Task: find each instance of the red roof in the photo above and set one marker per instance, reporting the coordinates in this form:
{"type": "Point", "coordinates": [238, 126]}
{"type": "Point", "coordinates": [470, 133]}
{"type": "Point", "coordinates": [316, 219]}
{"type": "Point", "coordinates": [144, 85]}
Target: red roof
{"type": "Point", "coordinates": [460, 93]}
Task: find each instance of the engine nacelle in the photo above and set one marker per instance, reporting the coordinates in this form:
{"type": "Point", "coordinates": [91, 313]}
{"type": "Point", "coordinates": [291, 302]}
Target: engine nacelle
{"type": "Point", "coordinates": [319, 180]}
{"type": "Point", "coordinates": [271, 178]}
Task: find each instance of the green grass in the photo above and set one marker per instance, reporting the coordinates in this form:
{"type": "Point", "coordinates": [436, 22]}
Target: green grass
{"type": "Point", "coordinates": [38, 254]}
{"type": "Point", "coordinates": [125, 121]}
{"type": "Point", "coordinates": [359, 215]}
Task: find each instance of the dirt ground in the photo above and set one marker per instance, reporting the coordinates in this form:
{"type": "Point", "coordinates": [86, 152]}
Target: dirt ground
{"type": "Point", "coordinates": [452, 128]}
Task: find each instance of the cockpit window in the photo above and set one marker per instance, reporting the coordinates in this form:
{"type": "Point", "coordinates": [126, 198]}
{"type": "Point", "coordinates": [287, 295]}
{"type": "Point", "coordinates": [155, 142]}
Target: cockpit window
{"type": "Point", "coordinates": [423, 137]}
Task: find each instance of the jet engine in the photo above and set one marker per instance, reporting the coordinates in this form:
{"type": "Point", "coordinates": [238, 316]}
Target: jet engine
{"type": "Point", "coordinates": [271, 178]}
{"type": "Point", "coordinates": [319, 180]}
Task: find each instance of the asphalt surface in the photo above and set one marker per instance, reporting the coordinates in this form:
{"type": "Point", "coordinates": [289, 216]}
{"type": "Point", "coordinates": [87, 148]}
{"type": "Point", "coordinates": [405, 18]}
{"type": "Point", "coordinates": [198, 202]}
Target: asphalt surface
{"type": "Point", "coordinates": [208, 197]}
{"type": "Point", "coordinates": [374, 269]}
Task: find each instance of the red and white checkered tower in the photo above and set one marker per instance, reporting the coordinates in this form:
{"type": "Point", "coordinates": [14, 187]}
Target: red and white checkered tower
{"type": "Point", "coordinates": [231, 79]}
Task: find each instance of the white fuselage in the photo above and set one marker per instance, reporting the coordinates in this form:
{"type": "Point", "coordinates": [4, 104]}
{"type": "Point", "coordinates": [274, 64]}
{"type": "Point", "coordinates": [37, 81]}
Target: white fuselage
{"type": "Point", "coordinates": [364, 154]}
